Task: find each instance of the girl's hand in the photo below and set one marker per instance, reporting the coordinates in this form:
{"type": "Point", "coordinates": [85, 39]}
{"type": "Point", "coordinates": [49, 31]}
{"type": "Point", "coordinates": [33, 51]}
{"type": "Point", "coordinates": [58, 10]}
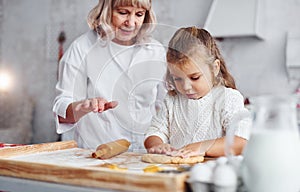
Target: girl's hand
{"type": "Point", "coordinates": [95, 104]}
{"type": "Point", "coordinates": [189, 150]}
{"type": "Point", "coordinates": [161, 149]}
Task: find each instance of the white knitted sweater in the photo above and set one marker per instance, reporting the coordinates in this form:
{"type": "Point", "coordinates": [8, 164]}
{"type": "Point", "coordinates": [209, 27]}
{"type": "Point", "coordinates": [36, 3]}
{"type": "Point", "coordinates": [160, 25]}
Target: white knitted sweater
{"type": "Point", "coordinates": [182, 121]}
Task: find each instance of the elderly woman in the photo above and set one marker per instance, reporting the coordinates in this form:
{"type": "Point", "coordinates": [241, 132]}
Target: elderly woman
{"type": "Point", "coordinates": [116, 65]}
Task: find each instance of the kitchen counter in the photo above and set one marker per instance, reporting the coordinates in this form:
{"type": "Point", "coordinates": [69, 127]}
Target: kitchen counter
{"type": "Point", "coordinates": [12, 184]}
{"type": "Point", "coordinates": [61, 166]}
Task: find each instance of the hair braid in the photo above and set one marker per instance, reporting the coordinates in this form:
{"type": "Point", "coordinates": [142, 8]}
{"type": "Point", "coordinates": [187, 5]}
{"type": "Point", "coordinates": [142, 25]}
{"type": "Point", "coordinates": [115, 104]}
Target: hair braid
{"type": "Point", "coordinates": [224, 76]}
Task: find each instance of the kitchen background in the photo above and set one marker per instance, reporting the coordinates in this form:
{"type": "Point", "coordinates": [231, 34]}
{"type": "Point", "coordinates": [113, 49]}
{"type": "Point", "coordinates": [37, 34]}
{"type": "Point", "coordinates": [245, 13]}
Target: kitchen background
{"type": "Point", "coordinates": [260, 40]}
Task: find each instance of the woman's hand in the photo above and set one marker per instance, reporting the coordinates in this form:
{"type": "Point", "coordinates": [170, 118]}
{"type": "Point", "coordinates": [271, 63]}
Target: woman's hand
{"type": "Point", "coordinates": [78, 109]}
{"type": "Point", "coordinates": [163, 148]}
{"type": "Point", "coordinates": [95, 104]}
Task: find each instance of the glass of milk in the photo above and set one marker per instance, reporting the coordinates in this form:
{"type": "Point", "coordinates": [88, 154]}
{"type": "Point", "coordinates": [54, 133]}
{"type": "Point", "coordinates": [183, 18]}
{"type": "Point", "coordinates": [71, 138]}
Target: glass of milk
{"type": "Point", "coordinates": [272, 155]}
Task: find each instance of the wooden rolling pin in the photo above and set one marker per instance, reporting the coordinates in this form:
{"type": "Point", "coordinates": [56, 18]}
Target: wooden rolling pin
{"type": "Point", "coordinates": [111, 149]}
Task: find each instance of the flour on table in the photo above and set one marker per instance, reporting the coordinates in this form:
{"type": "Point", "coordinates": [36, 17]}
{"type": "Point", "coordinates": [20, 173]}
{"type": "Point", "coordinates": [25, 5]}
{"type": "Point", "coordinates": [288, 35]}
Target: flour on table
{"type": "Point", "coordinates": [67, 157]}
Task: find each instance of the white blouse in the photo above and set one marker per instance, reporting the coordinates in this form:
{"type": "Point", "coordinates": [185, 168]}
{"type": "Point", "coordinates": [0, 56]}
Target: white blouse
{"type": "Point", "coordinates": [182, 121]}
{"type": "Point", "coordinates": [132, 75]}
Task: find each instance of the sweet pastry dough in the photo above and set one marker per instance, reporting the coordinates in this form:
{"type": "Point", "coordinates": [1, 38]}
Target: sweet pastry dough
{"type": "Point", "coordinates": [165, 159]}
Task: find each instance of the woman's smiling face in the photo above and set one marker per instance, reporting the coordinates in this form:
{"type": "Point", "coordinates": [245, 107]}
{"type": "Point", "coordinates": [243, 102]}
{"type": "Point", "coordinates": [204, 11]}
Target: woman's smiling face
{"type": "Point", "coordinates": [192, 81]}
{"type": "Point", "coordinates": [126, 22]}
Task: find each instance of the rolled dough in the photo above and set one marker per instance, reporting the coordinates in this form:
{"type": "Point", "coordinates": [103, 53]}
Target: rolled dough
{"type": "Point", "coordinates": [165, 159]}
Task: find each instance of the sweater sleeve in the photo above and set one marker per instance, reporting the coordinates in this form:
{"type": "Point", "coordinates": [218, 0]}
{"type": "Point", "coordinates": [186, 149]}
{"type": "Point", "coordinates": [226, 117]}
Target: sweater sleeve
{"type": "Point", "coordinates": [235, 117]}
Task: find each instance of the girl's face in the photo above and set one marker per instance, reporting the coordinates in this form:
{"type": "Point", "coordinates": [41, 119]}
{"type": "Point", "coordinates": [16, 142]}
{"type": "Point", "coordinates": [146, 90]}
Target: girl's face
{"type": "Point", "coordinates": [192, 81]}
{"type": "Point", "coordinates": [126, 22]}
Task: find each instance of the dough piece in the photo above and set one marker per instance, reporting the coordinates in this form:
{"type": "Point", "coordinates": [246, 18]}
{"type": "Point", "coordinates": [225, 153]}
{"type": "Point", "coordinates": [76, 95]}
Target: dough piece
{"type": "Point", "coordinates": [165, 159]}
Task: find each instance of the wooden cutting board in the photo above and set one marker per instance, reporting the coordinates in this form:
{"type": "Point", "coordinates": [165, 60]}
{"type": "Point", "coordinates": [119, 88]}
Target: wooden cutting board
{"type": "Point", "coordinates": [64, 162]}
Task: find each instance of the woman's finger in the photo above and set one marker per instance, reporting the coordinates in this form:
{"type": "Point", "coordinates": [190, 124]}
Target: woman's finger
{"type": "Point", "coordinates": [94, 104]}
{"type": "Point", "coordinates": [110, 105]}
{"type": "Point", "coordinates": [101, 103]}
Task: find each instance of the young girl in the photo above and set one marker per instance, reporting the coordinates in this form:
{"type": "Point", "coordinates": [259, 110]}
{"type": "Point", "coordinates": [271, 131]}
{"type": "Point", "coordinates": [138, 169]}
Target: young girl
{"type": "Point", "coordinates": [202, 103]}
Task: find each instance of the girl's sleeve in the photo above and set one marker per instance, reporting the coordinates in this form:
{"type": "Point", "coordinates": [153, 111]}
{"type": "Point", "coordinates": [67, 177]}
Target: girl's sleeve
{"type": "Point", "coordinates": [71, 85]}
{"type": "Point", "coordinates": [235, 117]}
{"type": "Point", "coordinates": [160, 123]}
